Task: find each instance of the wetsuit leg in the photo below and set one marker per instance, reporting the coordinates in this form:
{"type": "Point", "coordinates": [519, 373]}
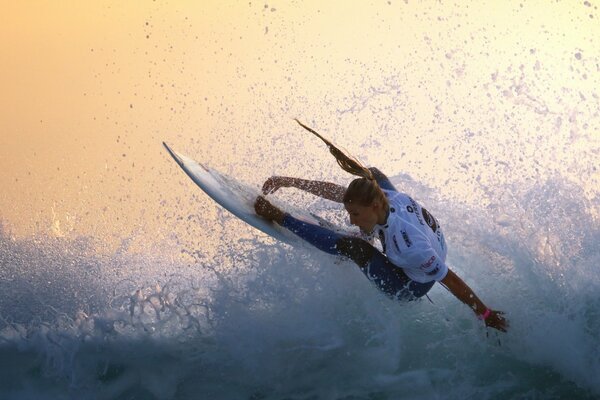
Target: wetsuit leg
{"type": "Point", "coordinates": [382, 180]}
{"type": "Point", "coordinates": [322, 238]}
{"type": "Point", "coordinates": [389, 278]}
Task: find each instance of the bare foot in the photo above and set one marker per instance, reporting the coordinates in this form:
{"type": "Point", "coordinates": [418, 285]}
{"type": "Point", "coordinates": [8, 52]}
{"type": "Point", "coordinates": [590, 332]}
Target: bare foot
{"type": "Point", "coordinates": [268, 210]}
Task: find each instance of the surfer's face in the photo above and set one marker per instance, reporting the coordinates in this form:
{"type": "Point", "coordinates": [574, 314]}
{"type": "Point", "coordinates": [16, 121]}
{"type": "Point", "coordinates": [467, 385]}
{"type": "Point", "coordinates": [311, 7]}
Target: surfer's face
{"type": "Point", "coordinates": [365, 217]}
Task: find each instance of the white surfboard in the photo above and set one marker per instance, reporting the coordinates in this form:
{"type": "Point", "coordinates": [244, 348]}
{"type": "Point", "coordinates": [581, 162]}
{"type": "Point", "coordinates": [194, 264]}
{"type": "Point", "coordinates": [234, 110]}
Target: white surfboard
{"type": "Point", "coordinates": [239, 198]}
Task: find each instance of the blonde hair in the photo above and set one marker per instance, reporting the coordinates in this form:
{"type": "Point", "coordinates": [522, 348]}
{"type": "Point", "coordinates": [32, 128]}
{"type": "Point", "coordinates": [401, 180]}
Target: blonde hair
{"type": "Point", "coordinates": [364, 190]}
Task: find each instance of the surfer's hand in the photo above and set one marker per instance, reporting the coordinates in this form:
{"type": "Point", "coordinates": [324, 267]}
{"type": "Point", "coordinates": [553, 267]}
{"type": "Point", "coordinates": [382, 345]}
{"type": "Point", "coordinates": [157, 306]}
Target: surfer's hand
{"type": "Point", "coordinates": [497, 321]}
{"type": "Point", "coordinates": [268, 210]}
{"type": "Point", "coordinates": [274, 183]}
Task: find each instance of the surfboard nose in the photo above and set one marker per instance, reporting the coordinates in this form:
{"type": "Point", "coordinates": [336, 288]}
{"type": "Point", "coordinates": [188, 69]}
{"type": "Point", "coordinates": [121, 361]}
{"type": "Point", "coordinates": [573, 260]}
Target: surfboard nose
{"type": "Point", "coordinates": [173, 154]}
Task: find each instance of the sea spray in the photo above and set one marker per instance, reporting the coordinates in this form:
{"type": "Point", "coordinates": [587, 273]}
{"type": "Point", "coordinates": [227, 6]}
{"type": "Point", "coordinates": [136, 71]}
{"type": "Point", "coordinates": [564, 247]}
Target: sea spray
{"type": "Point", "coordinates": [265, 320]}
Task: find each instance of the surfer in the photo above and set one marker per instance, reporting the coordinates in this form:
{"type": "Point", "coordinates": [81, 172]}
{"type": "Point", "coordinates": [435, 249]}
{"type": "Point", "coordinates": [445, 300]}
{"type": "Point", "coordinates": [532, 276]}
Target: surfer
{"type": "Point", "coordinates": [414, 247]}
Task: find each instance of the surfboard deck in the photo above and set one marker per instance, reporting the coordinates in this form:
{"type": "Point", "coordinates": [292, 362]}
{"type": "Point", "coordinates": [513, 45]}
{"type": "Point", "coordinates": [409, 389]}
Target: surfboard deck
{"type": "Point", "coordinates": [238, 198]}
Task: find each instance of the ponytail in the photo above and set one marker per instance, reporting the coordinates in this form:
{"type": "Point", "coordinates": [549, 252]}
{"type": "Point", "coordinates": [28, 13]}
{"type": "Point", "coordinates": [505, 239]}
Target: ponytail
{"type": "Point", "coordinates": [364, 190]}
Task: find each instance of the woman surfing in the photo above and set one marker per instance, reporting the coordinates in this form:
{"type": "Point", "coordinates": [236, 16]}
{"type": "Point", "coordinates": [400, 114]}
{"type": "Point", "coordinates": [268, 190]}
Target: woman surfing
{"type": "Point", "coordinates": [414, 247]}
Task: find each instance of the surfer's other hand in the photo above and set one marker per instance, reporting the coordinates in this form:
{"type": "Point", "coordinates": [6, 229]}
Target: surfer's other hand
{"type": "Point", "coordinates": [268, 210]}
{"type": "Point", "coordinates": [497, 321]}
{"type": "Point", "coordinates": [273, 184]}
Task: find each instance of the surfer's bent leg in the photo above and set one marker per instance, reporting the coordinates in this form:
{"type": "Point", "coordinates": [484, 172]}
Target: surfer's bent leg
{"type": "Point", "coordinates": [331, 242]}
{"type": "Point", "coordinates": [389, 278]}
{"type": "Point", "coordinates": [322, 238]}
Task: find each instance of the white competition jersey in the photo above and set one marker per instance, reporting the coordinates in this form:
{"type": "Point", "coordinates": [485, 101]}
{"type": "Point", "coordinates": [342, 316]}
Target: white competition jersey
{"type": "Point", "coordinates": [413, 240]}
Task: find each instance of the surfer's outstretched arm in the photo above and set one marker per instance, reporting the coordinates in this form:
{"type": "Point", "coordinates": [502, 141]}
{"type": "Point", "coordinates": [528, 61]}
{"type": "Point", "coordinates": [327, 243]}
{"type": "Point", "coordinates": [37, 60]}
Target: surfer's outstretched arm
{"type": "Point", "coordinates": [326, 190]}
{"type": "Point", "coordinates": [464, 293]}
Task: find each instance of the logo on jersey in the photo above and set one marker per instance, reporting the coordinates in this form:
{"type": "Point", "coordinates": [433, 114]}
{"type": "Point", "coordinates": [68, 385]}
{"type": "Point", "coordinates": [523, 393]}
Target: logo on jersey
{"type": "Point", "coordinates": [429, 263]}
{"type": "Point", "coordinates": [406, 239]}
{"type": "Point", "coordinates": [396, 243]}
{"type": "Point", "coordinates": [411, 209]}
{"type": "Point", "coordinates": [429, 219]}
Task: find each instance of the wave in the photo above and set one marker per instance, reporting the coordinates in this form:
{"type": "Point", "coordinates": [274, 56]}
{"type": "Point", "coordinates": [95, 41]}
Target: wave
{"type": "Point", "coordinates": [267, 321]}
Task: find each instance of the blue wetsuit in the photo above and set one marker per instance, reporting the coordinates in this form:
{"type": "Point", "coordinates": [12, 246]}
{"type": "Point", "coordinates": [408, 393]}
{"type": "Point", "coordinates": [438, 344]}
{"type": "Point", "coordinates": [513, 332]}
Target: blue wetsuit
{"type": "Point", "coordinates": [388, 277]}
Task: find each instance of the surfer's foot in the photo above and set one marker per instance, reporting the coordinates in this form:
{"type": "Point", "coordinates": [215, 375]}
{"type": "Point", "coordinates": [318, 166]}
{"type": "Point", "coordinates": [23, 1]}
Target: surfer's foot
{"type": "Point", "coordinates": [268, 210]}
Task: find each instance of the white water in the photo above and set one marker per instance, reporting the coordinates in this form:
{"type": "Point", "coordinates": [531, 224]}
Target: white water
{"type": "Point", "coordinates": [265, 321]}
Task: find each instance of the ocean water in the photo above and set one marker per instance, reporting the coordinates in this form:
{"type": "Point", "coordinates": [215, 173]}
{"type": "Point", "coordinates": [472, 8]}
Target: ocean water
{"type": "Point", "coordinates": [268, 321]}
{"type": "Point", "coordinates": [485, 112]}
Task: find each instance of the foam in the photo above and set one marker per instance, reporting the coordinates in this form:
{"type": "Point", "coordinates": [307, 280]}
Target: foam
{"type": "Point", "coordinates": [275, 322]}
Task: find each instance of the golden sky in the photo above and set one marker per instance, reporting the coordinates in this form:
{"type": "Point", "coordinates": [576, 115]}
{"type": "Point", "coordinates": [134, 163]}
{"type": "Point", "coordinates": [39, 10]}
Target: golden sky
{"type": "Point", "coordinates": [460, 95]}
